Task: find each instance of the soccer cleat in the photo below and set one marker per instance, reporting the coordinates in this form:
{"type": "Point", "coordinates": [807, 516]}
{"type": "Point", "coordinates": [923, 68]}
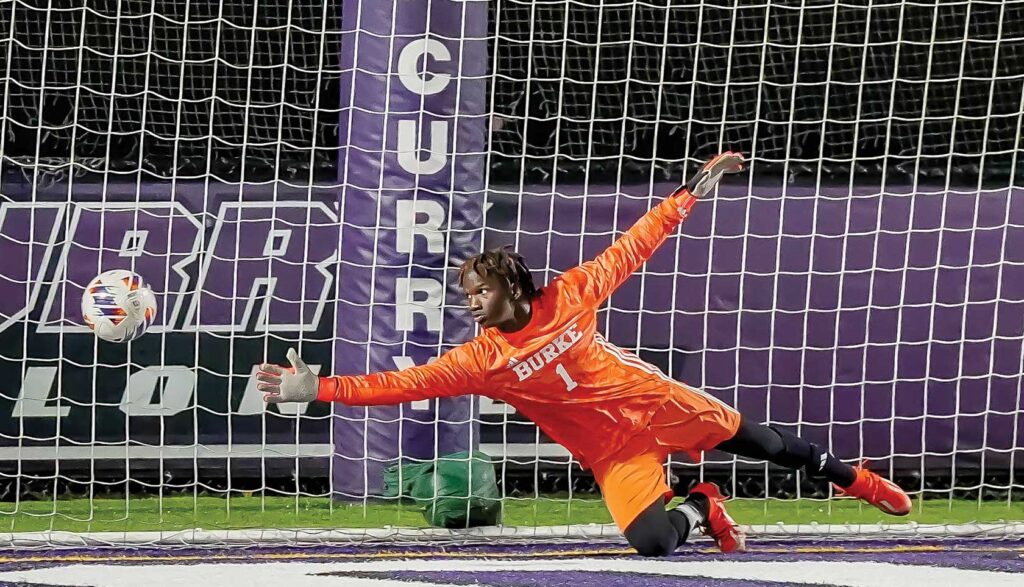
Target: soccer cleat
{"type": "Point", "coordinates": [878, 491]}
{"type": "Point", "coordinates": [719, 526]}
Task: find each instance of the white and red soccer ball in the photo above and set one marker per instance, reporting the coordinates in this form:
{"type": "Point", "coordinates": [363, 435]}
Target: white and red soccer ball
{"type": "Point", "coordinates": [118, 305]}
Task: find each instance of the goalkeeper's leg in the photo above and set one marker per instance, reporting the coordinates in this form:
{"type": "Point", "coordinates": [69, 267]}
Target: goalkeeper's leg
{"type": "Point", "coordinates": [788, 450]}
{"type": "Point", "coordinates": [634, 489]}
{"type": "Point", "coordinates": [657, 532]}
{"type": "Point", "coordinates": [775, 445]}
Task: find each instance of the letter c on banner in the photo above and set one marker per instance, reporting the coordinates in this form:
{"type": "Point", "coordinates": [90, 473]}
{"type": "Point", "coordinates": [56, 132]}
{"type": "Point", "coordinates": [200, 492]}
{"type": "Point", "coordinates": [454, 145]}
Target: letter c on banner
{"type": "Point", "coordinates": [408, 72]}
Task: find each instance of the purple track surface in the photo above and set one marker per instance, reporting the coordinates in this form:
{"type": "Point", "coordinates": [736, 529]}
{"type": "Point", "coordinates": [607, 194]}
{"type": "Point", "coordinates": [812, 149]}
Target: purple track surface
{"type": "Point", "coordinates": [982, 555]}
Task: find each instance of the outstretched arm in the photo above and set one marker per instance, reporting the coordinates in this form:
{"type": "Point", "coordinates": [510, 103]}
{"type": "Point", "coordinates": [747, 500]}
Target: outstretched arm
{"type": "Point", "coordinates": [454, 373]}
{"type": "Point", "coordinates": [597, 279]}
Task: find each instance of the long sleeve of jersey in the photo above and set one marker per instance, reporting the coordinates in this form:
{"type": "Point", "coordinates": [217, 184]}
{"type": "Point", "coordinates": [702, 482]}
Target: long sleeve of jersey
{"type": "Point", "coordinates": [597, 279]}
{"type": "Point", "coordinates": [457, 372]}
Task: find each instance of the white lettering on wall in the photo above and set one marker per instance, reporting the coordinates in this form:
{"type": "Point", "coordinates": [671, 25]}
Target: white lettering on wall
{"type": "Point", "coordinates": [158, 391]}
{"type": "Point", "coordinates": [409, 147]}
{"type": "Point", "coordinates": [409, 69]}
{"type": "Point", "coordinates": [408, 228]}
{"type": "Point", "coordinates": [418, 295]}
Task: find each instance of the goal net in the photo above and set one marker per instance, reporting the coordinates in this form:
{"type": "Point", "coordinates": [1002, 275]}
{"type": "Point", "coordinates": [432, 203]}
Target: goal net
{"type": "Point", "coordinates": [289, 173]}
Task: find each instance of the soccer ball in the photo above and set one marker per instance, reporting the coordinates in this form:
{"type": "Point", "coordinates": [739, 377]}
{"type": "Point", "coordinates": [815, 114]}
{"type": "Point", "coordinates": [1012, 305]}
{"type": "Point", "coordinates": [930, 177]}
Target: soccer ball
{"type": "Point", "coordinates": [118, 306]}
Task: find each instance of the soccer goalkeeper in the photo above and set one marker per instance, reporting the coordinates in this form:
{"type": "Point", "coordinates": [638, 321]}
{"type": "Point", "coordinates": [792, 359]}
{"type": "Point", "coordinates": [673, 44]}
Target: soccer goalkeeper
{"type": "Point", "coordinates": [539, 350]}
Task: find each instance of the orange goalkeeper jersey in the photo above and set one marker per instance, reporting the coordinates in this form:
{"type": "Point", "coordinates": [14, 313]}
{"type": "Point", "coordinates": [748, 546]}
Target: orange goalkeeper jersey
{"type": "Point", "coordinates": [582, 391]}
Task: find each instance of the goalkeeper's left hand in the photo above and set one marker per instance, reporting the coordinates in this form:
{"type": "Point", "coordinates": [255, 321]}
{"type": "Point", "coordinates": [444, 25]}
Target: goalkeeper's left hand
{"type": "Point", "coordinates": [709, 176]}
{"type": "Point", "coordinates": [298, 384]}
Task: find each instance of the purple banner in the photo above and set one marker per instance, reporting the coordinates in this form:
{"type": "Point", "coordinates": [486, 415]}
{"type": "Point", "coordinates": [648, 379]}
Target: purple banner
{"type": "Point", "coordinates": [874, 324]}
{"type": "Point", "coordinates": [28, 234]}
{"type": "Point", "coordinates": [241, 273]}
{"type": "Point", "coordinates": [413, 126]}
{"type": "Point", "coordinates": [157, 240]}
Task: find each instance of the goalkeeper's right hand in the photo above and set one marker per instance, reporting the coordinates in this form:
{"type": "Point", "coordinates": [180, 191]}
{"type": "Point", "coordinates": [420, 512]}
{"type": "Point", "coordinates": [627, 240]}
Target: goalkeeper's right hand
{"type": "Point", "coordinates": [298, 384]}
{"type": "Point", "coordinates": [708, 177]}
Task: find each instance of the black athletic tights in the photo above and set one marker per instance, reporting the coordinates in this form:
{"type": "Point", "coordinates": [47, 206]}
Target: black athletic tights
{"type": "Point", "coordinates": [657, 532]}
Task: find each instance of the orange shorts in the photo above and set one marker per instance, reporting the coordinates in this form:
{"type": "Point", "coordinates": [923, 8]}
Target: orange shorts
{"type": "Point", "coordinates": [633, 477]}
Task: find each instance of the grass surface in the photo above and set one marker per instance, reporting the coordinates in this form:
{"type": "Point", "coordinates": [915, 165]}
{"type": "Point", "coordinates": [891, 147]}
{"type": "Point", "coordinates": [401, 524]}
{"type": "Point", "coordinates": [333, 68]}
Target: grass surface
{"type": "Point", "coordinates": [217, 513]}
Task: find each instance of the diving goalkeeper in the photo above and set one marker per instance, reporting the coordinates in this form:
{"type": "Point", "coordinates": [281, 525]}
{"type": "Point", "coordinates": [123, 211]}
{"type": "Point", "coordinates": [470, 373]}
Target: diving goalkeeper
{"type": "Point", "coordinates": [539, 351]}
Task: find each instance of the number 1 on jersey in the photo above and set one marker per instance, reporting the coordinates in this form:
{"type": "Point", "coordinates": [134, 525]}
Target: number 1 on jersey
{"type": "Point", "coordinates": [569, 383]}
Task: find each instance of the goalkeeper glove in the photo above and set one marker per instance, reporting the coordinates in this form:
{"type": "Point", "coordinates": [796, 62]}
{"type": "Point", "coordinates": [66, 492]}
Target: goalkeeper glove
{"type": "Point", "coordinates": [298, 384]}
{"type": "Point", "coordinates": [709, 176]}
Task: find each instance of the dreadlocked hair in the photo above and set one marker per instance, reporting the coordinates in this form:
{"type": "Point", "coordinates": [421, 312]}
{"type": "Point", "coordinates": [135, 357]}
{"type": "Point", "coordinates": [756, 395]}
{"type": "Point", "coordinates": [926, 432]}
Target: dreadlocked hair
{"type": "Point", "coordinates": [506, 264]}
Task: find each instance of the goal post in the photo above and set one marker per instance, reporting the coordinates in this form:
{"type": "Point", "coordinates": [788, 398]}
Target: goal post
{"type": "Point", "coordinates": [299, 173]}
{"type": "Point", "coordinates": [413, 127]}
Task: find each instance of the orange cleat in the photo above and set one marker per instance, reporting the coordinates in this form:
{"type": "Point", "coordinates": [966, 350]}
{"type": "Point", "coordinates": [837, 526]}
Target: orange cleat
{"type": "Point", "coordinates": [879, 492]}
{"type": "Point", "coordinates": [719, 526]}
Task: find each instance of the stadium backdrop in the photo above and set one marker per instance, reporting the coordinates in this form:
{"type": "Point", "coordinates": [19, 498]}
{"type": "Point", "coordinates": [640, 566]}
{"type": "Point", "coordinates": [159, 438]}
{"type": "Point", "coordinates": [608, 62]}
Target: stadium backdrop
{"type": "Point", "coordinates": [263, 287]}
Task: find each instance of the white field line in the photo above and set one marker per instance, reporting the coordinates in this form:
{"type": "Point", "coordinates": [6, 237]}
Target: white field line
{"type": "Point", "coordinates": [484, 535]}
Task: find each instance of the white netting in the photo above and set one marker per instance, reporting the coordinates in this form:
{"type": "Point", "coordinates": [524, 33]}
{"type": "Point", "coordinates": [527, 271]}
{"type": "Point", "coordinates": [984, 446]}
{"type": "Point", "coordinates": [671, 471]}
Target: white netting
{"type": "Point", "coordinates": [863, 285]}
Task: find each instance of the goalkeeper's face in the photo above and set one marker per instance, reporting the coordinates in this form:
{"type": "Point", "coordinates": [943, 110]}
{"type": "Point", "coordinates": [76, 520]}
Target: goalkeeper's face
{"type": "Point", "coordinates": [490, 300]}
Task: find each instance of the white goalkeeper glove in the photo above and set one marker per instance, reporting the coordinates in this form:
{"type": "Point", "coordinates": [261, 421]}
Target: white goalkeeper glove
{"type": "Point", "coordinates": [709, 176]}
{"type": "Point", "coordinates": [298, 384]}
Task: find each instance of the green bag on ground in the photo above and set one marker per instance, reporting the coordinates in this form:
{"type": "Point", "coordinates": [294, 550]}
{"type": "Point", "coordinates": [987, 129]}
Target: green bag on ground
{"type": "Point", "coordinates": [455, 491]}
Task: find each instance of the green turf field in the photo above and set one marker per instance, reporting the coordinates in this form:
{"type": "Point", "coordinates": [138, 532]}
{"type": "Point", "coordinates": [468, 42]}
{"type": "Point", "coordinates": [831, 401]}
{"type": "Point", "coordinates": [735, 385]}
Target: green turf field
{"type": "Point", "coordinates": [216, 513]}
